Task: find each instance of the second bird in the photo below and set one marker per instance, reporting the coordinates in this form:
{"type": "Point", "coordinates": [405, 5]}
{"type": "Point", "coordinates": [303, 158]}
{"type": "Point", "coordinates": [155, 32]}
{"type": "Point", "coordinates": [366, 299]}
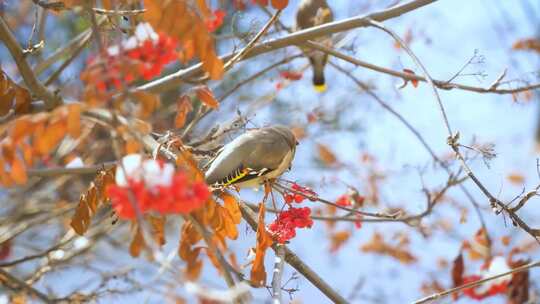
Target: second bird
{"type": "Point", "coordinates": [313, 13]}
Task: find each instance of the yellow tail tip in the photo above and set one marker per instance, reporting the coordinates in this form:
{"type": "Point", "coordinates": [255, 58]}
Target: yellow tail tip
{"type": "Point", "coordinates": [319, 88]}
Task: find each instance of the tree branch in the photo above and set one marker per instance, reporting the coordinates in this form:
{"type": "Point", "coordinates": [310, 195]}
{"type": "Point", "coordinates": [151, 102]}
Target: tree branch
{"type": "Point", "coordinates": [278, 274]}
{"type": "Point", "coordinates": [173, 80]}
{"type": "Point", "coordinates": [50, 99]}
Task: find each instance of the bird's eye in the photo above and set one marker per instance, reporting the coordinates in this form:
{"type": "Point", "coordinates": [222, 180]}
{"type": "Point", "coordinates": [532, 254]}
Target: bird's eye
{"type": "Point", "coordinates": [297, 143]}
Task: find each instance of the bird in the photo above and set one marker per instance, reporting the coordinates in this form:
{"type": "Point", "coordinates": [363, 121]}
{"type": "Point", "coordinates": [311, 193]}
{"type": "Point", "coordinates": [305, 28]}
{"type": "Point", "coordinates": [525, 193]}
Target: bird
{"type": "Point", "coordinates": [253, 158]}
{"type": "Point", "coordinates": [313, 13]}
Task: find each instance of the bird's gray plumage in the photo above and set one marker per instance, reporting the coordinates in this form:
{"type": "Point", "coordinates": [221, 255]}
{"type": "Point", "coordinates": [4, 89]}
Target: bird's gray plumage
{"type": "Point", "coordinates": [262, 151]}
{"type": "Point", "coordinates": [312, 13]}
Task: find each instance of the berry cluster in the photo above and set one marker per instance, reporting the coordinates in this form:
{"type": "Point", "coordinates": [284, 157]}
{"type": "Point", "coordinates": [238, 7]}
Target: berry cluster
{"type": "Point", "coordinates": [301, 194]}
{"type": "Point", "coordinates": [283, 228]}
{"type": "Point", "coordinates": [152, 185]}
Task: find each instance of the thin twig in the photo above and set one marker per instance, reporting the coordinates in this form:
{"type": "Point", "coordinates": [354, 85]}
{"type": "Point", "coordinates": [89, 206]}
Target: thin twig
{"type": "Point", "coordinates": [240, 55]}
{"type": "Point", "coordinates": [50, 99]}
{"type": "Point", "coordinates": [16, 284]}
{"type": "Point", "coordinates": [50, 172]}
{"type": "Point", "coordinates": [453, 140]}
{"type": "Point", "coordinates": [476, 283]}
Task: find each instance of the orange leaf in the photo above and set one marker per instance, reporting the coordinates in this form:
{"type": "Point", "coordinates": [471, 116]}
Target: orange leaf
{"type": "Point", "coordinates": [149, 102]}
{"type": "Point", "coordinates": [132, 146]}
{"type": "Point", "coordinates": [480, 247]}
{"type": "Point", "coordinates": [206, 97]}
{"type": "Point", "coordinates": [90, 201]}
{"type": "Point", "coordinates": [13, 96]}
{"type": "Point", "coordinates": [18, 171]}
{"type": "Point", "coordinates": [229, 227]}
{"type": "Point", "coordinates": [280, 4]}
{"type": "Point", "coordinates": [203, 8]}
{"type": "Point", "coordinates": [22, 126]}
{"type": "Point", "coordinates": [339, 238]}
{"type": "Point", "coordinates": [326, 155]}
{"type": "Point", "coordinates": [137, 244]}
{"type": "Point", "coordinates": [52, 135]}
{"type": "Point", "coordinates": [5, 180]}
{"type": "Point", "coordinates": [531, 44]}
{"type": "Point", "coordinates": [214, 66]}
{"type": "Point", "coordinates": [378, 245]}
{"type": "Point", "coordinates": [516, 178]}
{"type": "Point", "coordinates": [28, 154]}
{"type": "Point", "coordinates": [264, 240]}
{"type": "Point", "coordinates": [74, 120]}
{"type": "Point", "coordinates": [158, 228]}
{"type": "Point", "coordinates": [231, 205]}
{"type": "Point", "coordinates": [183, 107]}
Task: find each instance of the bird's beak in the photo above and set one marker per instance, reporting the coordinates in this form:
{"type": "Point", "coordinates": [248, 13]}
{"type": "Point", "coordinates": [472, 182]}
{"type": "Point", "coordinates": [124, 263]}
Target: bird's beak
{"type": "Point", "coordinates": [320, 88]}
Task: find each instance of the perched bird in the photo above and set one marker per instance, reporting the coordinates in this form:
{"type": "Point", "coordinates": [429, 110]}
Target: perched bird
{"type": "Point", "coordinates": [253, 157]}
{"type": "Point", "coordinates": [312, 13]}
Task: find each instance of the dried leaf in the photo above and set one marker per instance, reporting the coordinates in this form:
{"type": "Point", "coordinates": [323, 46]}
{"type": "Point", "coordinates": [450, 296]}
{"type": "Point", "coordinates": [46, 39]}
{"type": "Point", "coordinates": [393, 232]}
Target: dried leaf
{"type": "Point", "coordinates": [516, 178]}
{"type": "Point", "coordinates": [138, 243]}
{"type": "Point", "coordinates": [74, 120]}
{"type": "Point", "coordinates": [531, 44]}
{"type": "Point", "coordinates": [53, 133]}
{"type": "Point", "coordinates": [326, 155]}
{"type": "Point", "coordinates": [480, 247]}
{"type": "Point", "coordinates": [264, 240]}
{"type": "Point", "coordinates": [21, 127]}
{"type": "Point", "coordinates": [338, 239]}
{"type": "Point", "coordinates": [207, 98]}
{"type": "Point", "coordinates": [158, 228]}
{"type": "Point", "coordinates": [518, 288]}
{"type": "Point", "coordinates": [457, 270]}
{"type": "Point", "coordinates": [5, 179]}
{"type": "Point", "coordinates": [378, 245]}
{"type": "Point", "coordinates": [183, 107]}
{"type": "Point", "coordinates": [91, 200]}
{"type": "Point", "coordinates": [13, 96]}
{"type": "Point", "coordinates": [18, 171]}
{"type": "Point", "coordinates": [231, 205]}
{"type": "Point", "coordinates": [132, 146]}
{"type": "Point", "coordinates": [188, 239]}
{"type": "Point", "coordinates": [149, 103]}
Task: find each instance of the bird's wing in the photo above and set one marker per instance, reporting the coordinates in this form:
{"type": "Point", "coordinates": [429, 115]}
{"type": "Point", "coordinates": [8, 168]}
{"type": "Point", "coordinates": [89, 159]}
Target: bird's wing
{"type": "Point", "coordinates": [248, 155]}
